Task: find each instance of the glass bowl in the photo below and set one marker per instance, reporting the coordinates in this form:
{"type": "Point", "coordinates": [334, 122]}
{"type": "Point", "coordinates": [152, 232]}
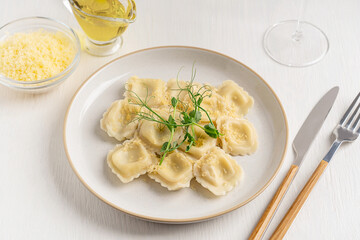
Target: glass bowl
{"type": "Point", "coordinates": [30, 24]}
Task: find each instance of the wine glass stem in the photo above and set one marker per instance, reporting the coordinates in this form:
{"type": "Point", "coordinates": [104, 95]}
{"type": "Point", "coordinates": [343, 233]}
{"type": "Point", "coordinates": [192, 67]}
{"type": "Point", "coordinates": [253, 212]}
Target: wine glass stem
{"type": "Point", "coordinates": [297, 35]}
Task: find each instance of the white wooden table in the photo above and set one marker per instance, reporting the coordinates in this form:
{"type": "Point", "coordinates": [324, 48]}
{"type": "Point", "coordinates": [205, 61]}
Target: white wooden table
{"type": "Point", "coordinates": [40, 196]}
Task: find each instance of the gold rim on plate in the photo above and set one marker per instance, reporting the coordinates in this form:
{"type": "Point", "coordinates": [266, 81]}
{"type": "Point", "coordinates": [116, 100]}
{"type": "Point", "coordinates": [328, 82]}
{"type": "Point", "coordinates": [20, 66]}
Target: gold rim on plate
{"type": "Point", "coordinates": [185, 220]}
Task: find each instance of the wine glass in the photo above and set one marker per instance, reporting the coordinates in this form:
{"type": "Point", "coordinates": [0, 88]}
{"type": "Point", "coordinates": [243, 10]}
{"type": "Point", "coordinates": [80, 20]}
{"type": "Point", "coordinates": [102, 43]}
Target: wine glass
{"type": "Point", "coordinates": [296, 43]}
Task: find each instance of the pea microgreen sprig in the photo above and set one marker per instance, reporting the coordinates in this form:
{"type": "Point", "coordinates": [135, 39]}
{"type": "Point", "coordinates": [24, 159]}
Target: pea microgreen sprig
{"type": "Point", "coordinates": [187, 119]}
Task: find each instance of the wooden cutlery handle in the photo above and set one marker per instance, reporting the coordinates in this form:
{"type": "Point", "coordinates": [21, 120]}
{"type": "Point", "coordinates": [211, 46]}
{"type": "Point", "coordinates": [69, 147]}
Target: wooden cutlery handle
{"type": "Point", "coordinates": [299, 202]}
{"type": "Point", "coordinates": [271, 208]}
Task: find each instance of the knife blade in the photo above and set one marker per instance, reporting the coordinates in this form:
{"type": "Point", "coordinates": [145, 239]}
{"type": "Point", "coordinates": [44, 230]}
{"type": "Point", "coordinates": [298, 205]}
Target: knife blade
{"type": "Point", "coordinates": [301, 144]}
{"type": "Point", "coordinates": [312, 125]}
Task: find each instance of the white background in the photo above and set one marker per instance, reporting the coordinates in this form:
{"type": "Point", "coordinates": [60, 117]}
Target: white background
{"type": "Point", "coordinates": [40, 196]}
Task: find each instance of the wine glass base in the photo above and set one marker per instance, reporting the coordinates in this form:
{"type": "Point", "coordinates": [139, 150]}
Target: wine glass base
{"type": "Point", "coordinates": [103, 49]}
{"type": "Point", "coordinates": [294, 48]}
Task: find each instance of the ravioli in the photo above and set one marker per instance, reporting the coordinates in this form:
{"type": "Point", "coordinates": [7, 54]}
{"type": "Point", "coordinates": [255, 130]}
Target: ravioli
{"type": "Point", "coordinates": [215, 106]}
{"type": "Point", "coordinates": [217, 172]}
{"type": "Point", "coordinates": [130, 160]}
{"type": "Point", "coordinates": [151, 90]}
{"type": "Point", "coordinates": [175, 172]}
{"type": "Point", "coordinates": [239, 136]}
{"type": "Point", "coordinates": [203, 143]}
{"type": "Point", "coordinates": [236, 97]}
{"type": "Point", "coordinates": [155, 134]}
{"type": "Point", "coordinates": [118, 120]}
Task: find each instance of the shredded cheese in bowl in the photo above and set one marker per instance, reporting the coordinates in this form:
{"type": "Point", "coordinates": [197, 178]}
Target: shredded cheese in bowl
{"type": "Point", "coordinates": [35, 55]}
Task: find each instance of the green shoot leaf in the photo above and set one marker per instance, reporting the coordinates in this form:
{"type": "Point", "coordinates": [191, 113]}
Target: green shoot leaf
{"type": "Point", "coordinates": [210, 126]}
{"type": "Point", "coordinates": [172, 122]}
{"type": "Point", "coordinates": [186, 118]}
{"type": "Point", "coordinates": [190, 138]}
{"type": "Point", "coordinates": [164, 146]}
{"type": "Point", "coordinates": [197, 117]}
{"type": "Point", "coordinates": [211, 130]}
{"type": "Point", "coordinates": [174, 101]}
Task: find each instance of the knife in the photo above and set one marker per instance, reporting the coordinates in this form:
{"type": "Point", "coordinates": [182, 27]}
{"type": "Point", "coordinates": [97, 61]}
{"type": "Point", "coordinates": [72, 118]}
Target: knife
{"type": "Point", "coordinates": [301, 144]}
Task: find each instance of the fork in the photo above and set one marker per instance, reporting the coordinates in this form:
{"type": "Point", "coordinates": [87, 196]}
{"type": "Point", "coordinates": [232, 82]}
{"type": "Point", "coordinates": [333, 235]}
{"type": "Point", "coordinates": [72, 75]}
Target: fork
{"type": "Point", "coordinates": [346, 131]}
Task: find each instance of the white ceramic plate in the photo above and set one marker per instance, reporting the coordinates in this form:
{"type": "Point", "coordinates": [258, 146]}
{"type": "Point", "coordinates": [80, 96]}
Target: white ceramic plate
{"type": "Point", "coordinates": [87, 145]}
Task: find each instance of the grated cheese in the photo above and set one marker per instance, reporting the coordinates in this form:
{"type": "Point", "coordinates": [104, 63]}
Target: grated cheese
{"type": "Point", "coordinates": [35, 55]}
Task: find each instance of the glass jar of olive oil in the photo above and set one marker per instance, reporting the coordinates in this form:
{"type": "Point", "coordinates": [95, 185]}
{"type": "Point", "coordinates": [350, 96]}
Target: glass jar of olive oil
{"type": "Point", "coordinates": [103, 21]}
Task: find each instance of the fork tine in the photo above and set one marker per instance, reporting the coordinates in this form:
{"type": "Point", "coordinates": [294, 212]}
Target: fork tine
{"type": "Point", "coordinates": [349, 109]}
{"type": "Point", "coordinates": [355, 123]}
{"type": "Point", "coordinates": [352, 117]}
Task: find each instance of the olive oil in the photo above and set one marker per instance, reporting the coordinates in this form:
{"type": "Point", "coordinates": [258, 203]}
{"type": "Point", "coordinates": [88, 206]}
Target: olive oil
{"type": "Point", "coordinates": [104, 20]}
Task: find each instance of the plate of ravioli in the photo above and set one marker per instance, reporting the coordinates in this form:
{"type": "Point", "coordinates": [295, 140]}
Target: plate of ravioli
{"type": "Point", "coordinates": [175, 134]}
